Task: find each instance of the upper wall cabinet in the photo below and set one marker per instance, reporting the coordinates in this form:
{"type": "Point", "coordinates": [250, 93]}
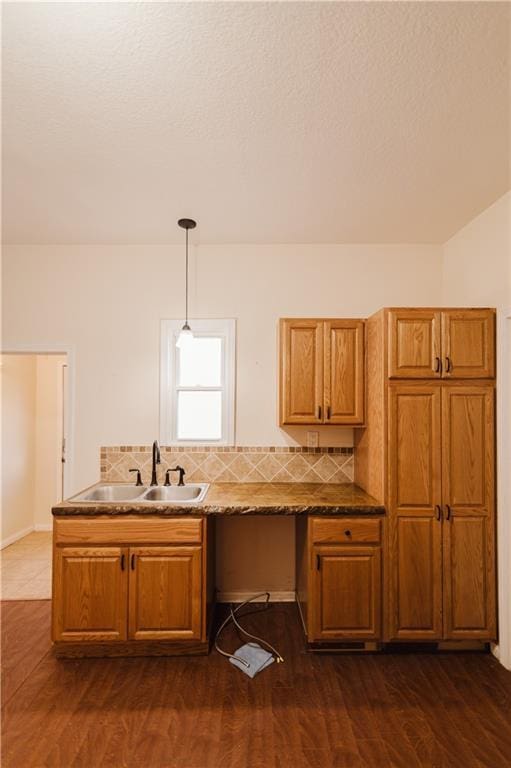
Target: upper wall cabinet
{"type": "Point", "coordinates": [468, 343]}
{"type": "Point", "coordinates": [321, 371]}
{"type": "Point", "coordinates": [433, 343]}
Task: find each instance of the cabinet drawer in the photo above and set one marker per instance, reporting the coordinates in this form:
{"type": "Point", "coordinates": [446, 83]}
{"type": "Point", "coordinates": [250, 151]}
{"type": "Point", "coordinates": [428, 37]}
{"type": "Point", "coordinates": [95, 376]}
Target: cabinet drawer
{"type": "Point", "coordinates": [128, 530]}
{"type": "Point", "coordinates": [347, 530]}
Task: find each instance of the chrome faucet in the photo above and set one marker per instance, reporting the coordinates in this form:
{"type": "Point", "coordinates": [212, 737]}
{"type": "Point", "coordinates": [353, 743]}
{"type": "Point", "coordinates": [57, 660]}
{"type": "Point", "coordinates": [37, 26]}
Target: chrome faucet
{"type": "Point", "coordinates": [156, 460]}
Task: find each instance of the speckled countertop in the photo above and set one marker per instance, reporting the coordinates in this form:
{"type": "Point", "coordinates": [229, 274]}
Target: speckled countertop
{"type": "Point", "coordinates": [246, 499]}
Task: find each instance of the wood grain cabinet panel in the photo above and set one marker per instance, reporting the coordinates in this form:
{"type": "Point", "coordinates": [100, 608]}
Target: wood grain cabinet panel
{"type": "Point", "coordinates": [135, 530]}
{"type": "Point", "coordinates": [301, 380]}
{"type": "Point", "coordinates": [415, 495]}
{"type": "Point", "coordinates": [322, 377]}
{"type": "Point", "coordinates": [346, 591]}
{"type": "Point", "coordinates": [468, 493]}
{"type": "Point", "coordinates": [416, 605]}
{"type": "Point", "coordinates": [345, 530]}
{"type": "Point", "coordinates": [344, 371]}
{"type": "Point", "coordinates": [90, 594]}
{"type": "Point", "coordinates": [414, 343]}
{"type": "Point", "coordinates": [468, 344]}
{"type": "Point", "coordinates": [165, 591]}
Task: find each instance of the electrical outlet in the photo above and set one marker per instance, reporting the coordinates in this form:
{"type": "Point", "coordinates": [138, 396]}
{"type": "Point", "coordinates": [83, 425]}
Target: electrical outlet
{"type": "Point", "coordinates": [312, 439]}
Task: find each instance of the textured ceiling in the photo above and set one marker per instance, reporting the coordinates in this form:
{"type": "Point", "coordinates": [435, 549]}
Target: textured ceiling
{"type": "Point", "coordinates": [268, 122]}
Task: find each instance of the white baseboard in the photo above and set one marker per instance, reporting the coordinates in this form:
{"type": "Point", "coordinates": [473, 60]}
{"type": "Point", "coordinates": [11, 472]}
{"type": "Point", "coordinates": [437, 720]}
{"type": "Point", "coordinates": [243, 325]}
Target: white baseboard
{"type": "Point", "coordinates": [16, 537]}
{"type": "Point", "coordinates": [43, 527]}
{"type": "Point", "coordinates": [284, 596]}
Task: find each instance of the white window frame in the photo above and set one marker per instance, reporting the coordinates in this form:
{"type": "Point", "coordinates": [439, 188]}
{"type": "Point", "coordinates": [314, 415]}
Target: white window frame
{"type": "Point", "coordinates": [170, 330]}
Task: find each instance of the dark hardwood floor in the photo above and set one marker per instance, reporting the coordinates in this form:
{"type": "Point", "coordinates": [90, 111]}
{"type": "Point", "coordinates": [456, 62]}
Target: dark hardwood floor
{"type": "Point", "coordinates": [325, 711]}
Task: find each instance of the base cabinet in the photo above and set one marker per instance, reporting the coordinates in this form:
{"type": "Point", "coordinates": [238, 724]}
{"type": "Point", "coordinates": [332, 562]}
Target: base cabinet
{"type": "Point", "coordinates": [134, 591]}
{"type": "Point", "coordinates": [339, 578]}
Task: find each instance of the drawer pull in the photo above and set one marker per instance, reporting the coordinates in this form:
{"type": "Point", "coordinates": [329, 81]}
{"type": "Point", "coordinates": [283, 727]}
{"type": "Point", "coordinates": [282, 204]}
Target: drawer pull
{"type": "Point", "coordinates": [319, 412]}
{"type": "Point", "coordinates": [347, 533]}
{"type": "Point", "coordinates": [133, 562]}
{"type": "Point", "coordinates": [448, 515]}
{"type": "Point", "coordinates": [438, 365]}
{"type": "Point", "coordinates": [318, 562]}
{"type": "Point", "coordinates": [448, 365]}
{"type": "Point", "coordinates": [123, 559]}
{"type": "Point", "coordinates": [438, 510]}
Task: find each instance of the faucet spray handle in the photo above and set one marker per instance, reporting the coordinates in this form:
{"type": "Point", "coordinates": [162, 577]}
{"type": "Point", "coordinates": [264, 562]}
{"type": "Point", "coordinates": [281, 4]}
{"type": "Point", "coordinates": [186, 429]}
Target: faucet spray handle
{"type": "Point", "coordinates": [181, 471]}
{"type": "Point", "coordinates": [139, 476]}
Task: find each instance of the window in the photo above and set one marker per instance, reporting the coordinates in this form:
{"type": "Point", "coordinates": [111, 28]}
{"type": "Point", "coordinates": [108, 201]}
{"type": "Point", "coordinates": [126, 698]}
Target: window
{"type": "Point", "coordinates": [197, 383]}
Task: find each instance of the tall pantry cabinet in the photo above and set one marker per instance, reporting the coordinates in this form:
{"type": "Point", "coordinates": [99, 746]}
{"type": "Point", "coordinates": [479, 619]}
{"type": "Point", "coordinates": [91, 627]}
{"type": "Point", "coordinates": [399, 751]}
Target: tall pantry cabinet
{"type": "Point", "coordinates": [428, 452]}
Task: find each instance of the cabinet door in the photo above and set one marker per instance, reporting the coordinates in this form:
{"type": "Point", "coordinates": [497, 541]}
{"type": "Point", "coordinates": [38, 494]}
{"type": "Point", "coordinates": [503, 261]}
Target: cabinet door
{"type": "Point", "coordinates": [346, 593]}
{"type": "Point", "coordinates": [468, 494]}
{"type": "Point", "coordinates": [414, 344]}
{"type": "Point", "coordinates": [165, 596]}
{"type": "Point", "coordinates": [90, 597]}
{"type": "Point", "coordinates": [468, 344]}
{"type": "Point", "coordinates": [414, 554]}
{"type": "Point", "coordinates": [301, 372]}
{"type": "Point", "coordinates": [344, 371]}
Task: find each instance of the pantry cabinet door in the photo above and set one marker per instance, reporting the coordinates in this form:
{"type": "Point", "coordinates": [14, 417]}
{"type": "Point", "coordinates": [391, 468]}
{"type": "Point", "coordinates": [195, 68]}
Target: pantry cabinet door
{"type": "Point", "coordinates": [165, 593]}
{"type": "Point", "coordinates": [414, 547]}
{"type": "Point", "coordinates": [301, 372]}
{"type": "Point", "coordinates": [414, 344]}
{"type": "Point", "coordinates": [468, 344]}
{"type": "Point", "coordinates": [468, 440]}
{"type": "Point", "coordinates": [90, 597]}
{"type": "Point", "coordinates": [344, 371]}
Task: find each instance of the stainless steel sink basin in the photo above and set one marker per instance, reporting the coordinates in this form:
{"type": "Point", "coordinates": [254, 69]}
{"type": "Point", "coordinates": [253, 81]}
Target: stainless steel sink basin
{"type": "Point", "coordinates": [112, 493]}
{"type": "Point", "coordinates": [177, 493]}
{"type": "Point", "coordinates": [120, 492]}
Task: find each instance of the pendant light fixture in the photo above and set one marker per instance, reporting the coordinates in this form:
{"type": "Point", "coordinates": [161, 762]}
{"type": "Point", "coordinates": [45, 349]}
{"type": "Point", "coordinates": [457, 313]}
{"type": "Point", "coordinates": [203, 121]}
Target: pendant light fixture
{"type": "Point", "coordinates": [186, 333]}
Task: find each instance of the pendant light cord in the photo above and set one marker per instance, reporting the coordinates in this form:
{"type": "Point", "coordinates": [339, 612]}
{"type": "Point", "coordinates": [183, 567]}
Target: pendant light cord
{"type": "Point", "coordinates": [186, 280]}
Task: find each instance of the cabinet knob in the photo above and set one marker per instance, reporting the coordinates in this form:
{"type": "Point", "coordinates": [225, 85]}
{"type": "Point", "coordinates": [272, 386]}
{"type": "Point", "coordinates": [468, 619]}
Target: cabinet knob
{"type": "Point", "coordinates": [347, 533]}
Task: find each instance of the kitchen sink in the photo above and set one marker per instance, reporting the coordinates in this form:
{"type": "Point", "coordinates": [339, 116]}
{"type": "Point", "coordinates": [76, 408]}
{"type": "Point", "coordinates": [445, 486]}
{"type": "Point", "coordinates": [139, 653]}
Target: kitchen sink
{"type": "Point", "coordinates": [177, 493]}
{"type": "Point", "coordinates": [112, 493]}
{"type": "Point", "coordinates": [119, 492]}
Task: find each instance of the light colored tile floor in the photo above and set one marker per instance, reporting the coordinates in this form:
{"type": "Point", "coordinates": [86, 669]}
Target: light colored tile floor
{"type": "Point", "coordinates": [25, 568]}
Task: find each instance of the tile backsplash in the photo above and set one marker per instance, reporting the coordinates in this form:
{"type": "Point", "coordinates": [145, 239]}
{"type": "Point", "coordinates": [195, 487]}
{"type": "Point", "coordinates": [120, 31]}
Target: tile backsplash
{"type": "Point", "coordinates": [206, 464]}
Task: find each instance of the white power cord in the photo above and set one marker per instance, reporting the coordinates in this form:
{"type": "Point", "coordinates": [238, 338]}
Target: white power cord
{"type": "Point", "coordinates": [232, 617]}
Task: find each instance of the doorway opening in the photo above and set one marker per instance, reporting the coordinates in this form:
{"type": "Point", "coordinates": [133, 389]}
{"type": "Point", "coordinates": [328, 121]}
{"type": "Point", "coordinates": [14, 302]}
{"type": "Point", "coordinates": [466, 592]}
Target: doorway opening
{"type": "Point", "coordinates": [35, 455]}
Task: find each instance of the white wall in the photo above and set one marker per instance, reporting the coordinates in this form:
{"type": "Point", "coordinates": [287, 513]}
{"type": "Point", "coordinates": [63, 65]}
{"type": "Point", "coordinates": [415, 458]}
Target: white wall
{"type": "Point", "coordinates": [107, 301]}
{"type": "Point", "coordinates": [18, 445]}
{"type": "Point", "coordinates": [477, 272]}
